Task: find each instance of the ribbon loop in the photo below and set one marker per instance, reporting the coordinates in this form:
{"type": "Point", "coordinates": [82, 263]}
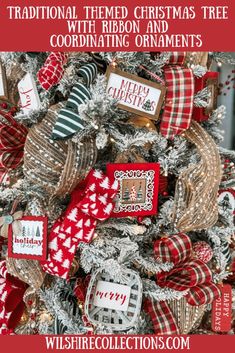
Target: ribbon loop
{"type": "Point", "coordinates": [12, 140]}
{"type": "Point", "coordinates": [69, 121]}
{"type": "Point", "coordinates": [176, 248]}
{"type": "Point", "coordinates": [178, 109]}
{"type": "Point", "coordinates": [52, 71]}
{"type": "Point", "coordinates": [90, 202]}
{"type": "Point", "coordinates": [188, 273]}
{"type": "Point", "coordinates": [11, 299]}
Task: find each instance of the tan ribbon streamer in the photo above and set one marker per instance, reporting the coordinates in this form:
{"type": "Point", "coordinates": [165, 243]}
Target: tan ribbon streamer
{"type": "Point", "coordinates": [196, 205]}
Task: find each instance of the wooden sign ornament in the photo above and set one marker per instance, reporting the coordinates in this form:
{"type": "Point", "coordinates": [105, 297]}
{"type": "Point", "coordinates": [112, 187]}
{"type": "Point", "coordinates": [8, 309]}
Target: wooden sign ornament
{"type": "Point", "coordinates": [135, 94]}
{"type": "Point", "coordinates": [3, 83]}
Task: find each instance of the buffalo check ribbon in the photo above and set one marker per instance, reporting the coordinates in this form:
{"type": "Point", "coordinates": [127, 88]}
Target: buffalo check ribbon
{"type": "Point", "coordinates": [91, 202]}
{"type": "Point", "coordinates": [53, 70]}
{"type": "Point", "coordinates": [69, 121]}
{"type": "Point", "coordinates": [178, 109]}
{"type": "Point", "coordinates": [12, 140]}
{"type": "Point", "coordinates": [188, 273]}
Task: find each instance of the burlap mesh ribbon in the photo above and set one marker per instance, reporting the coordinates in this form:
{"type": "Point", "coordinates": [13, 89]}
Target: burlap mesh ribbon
{"type": "Point", "coordinates": [57, 166]}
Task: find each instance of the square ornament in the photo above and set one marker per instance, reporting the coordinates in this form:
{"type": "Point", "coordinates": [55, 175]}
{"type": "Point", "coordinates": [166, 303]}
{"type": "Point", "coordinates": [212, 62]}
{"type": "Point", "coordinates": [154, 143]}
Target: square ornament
{"type": "Point", "coordinates": [30, 241]}
{"type": "Point", "coordinates": [138, 188]}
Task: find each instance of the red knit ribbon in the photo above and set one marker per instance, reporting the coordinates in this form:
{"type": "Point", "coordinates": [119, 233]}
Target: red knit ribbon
{"type": "Point", "coordinates": [188, 273]}
{"type": "Point", "coordinates": [90, 202]}
{"type": "Point", "coordinates": [12, 140]}
{"type": "Point", "coordinates": [178, 108]}
{"type": "Point", "coordinates": [52, 71]}
{"type": "Point", "coordinates": [11, 300]}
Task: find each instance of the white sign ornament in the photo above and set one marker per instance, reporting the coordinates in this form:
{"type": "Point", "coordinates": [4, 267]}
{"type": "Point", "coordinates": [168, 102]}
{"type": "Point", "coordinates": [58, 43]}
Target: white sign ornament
{"type": "Point", "coordinates": [135, 94]}
{"type": "Point", "coordinates": [3, 83]}
{"type": "Point", "coordinates": [112, 296]}
{"type": "Point", "coordinates": [30, 241]}
{"type": "Point", "coordinates": [29, 96]}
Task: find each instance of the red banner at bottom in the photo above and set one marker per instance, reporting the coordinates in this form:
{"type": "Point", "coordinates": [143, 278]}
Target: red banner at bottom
{"type": "Point", "coordinates": [110, 343]}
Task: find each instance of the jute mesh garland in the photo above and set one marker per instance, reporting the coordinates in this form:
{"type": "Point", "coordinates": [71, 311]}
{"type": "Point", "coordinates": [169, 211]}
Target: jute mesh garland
{"type": "Point", "coordinates": [28, 271]}
{"type": "Point", "coordinates": [57, 166]}
{"type": "Point", "coordinates": [196, 205]}
{"type": "Point", "coordinates": [187, 317]}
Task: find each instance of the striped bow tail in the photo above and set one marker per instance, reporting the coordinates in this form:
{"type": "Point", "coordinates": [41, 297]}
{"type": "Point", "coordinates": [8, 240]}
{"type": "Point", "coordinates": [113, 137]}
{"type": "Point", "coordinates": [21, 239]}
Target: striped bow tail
{"type": "Point", "coordinates": [69, 121]}
{"type": "Point", "coordinates": [178, 108]}
{"type": "Point", "coordinates": [90, 203]}
{"type": "Point", "coordinates": [162, 318]}
{"type": "Point", "coordinates": [12, 140]}
{"type": "Point", "coordinates": [53, 70]}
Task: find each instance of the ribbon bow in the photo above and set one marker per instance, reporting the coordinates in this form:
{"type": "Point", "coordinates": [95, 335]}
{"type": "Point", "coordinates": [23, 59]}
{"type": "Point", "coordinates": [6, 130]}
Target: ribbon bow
{"type": "Point", "coordinates": [178, 109]}
{"type": "Point", "coordinates": [12, 140]}
{"type": "Point", "coordinates": [11, 221]}
{"type": "Point", "coordinates": [69, 121]}
{"type": "Point", "coordinates": [52, 71]}
{"type": "Point", "coordinates": [187, 274]}
{"type": "Point", "coordinates": [90, 202]}
{"type": "Point", "coordinates": [11, 300]}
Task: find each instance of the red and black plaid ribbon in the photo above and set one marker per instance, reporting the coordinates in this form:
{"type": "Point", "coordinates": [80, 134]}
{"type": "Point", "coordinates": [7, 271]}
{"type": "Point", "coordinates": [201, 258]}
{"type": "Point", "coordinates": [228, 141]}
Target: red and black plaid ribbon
{"type": "Point", "coordinates": [162, 317]}
{"type": "Point", "coordinates": [187, 273]}
{"type": "Point", "coordinates": [12, 140]}
{"type": "Point", "coordinates": [178, 109]}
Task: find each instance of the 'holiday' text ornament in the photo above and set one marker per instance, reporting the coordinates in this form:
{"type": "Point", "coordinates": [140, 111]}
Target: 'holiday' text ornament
{"type": "Point", "coordinates": [31, 242]}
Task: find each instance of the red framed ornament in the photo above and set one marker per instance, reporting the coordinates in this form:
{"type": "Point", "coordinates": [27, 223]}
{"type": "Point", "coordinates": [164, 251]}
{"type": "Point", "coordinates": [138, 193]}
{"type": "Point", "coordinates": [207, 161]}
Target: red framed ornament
{"type": "Point", "coordinates": [31, 242]}
{"type": "Point", "coordinates": [210, 80]}
{"type": "Point", "coordinates": [138, 188]}
{"type": "Point", "coordinates": [226, 199]}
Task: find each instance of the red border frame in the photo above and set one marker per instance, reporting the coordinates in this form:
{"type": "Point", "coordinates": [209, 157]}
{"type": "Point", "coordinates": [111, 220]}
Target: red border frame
{"type": "Point", "coordinates": [232, 191]}
{"type": "Point", "coordinates": [111, 168]}
{"type": "Point", "coordinates": [44, 244]}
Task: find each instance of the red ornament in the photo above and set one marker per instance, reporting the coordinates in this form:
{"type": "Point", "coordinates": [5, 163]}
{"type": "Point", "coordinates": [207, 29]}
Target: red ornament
{"type": "Point", "coordinates": [203, 251]}
{"type": "Point", "coordinates": [165, 193]}
{"type": "Point", "coordinates": [163, 184]}
{"type": "Point", "coordinates": [140, 219]}
{"type": "Point", "coordinates": [141, 177]}
{"type": "Point", "coordinates": [4, 105]}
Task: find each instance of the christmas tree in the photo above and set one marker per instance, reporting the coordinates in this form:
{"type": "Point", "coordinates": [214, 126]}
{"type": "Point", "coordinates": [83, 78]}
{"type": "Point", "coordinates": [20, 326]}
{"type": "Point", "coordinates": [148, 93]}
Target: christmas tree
{"type": "Point", "coordinates": [38, 232]}
{"type": "Point", "coordinates": [133, 193]}
{"type": "Point", "coordinates": [140, 193]}
{"type": "Point", "coordinates": [69, 136]}
{"type": "Point", "coordinates": [126, 194]}
{"type": "Point", "coordinates": [147, 106]}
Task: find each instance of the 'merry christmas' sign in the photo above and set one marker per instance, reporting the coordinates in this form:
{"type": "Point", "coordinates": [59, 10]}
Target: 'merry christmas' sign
{"type": "Point", "coordinates": [135, 94]}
